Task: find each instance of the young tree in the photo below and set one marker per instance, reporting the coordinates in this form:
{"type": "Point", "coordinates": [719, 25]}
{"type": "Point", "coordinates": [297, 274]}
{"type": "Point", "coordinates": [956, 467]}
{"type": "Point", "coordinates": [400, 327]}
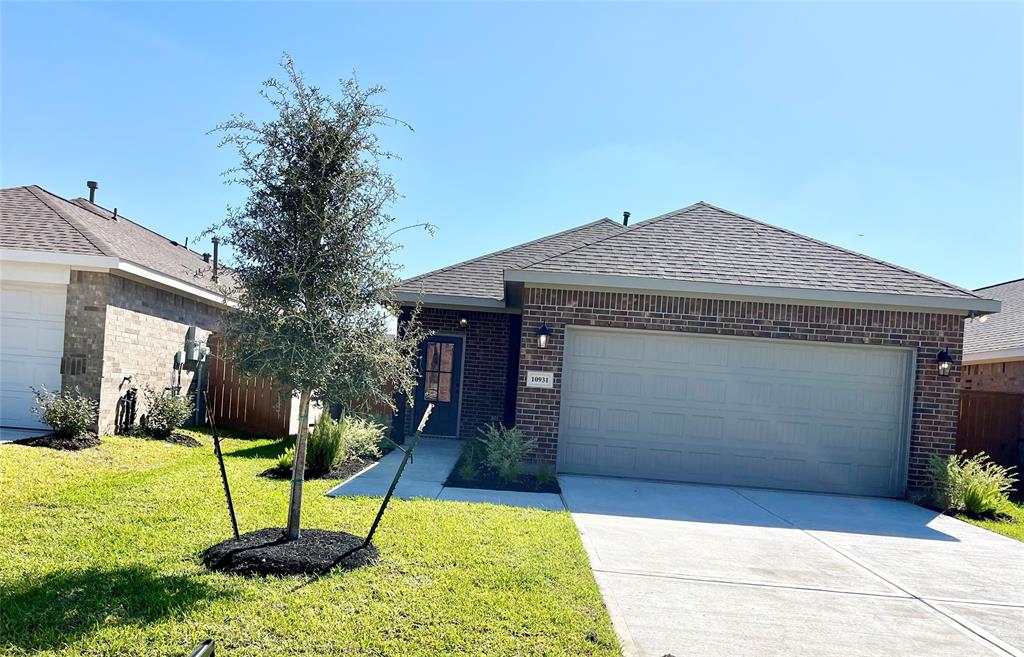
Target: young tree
{"type": "Point", "coordinates": [312, 249]}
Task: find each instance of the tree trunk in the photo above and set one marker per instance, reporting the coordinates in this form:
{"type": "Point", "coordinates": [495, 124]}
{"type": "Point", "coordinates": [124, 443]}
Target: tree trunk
{"type": "Point", "coordinates": [299, 467]}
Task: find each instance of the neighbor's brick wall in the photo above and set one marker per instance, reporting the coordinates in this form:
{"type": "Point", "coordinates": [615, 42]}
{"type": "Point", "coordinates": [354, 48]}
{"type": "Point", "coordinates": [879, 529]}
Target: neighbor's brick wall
{"type": "Point", "coordinates": [145, 326]}
{"type": "Point", "coordinates": [994, 377]}
{"type": "Point", "coordinates": [936, 398]}
{"type": "Point", "coordinates": [484, 365]}
{"type": "Point", "coordinates": [85, 316]}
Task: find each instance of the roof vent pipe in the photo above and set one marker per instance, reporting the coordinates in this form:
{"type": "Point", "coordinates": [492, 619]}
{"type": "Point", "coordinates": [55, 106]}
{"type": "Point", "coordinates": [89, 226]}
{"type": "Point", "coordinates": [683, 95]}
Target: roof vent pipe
{"type": "Point", "coordinates": [625, 218]}
{"type": "Point", "coordinates": [92, 185]}
{"type": "Point", "coordinates": [206, 257]}
{"type": "Point", "coordinates": [216, 244]}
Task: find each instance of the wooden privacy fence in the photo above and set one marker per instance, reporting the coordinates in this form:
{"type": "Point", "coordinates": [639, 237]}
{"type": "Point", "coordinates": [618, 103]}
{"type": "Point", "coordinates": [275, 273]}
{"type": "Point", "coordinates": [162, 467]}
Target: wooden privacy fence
{"type": "Point", "coordinates": [245, 403]}
{"type": "Point", "coordinates": [991, 422]}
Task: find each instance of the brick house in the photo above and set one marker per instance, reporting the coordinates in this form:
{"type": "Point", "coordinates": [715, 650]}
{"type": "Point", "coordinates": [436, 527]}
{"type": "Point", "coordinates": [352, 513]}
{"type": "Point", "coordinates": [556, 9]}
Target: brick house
{"type": "Point", "coordinates": [96, 301]}
{"type": "Point", "coordinates": [992, 408]}
{"type": "Point", "coordinates": [702, 346]}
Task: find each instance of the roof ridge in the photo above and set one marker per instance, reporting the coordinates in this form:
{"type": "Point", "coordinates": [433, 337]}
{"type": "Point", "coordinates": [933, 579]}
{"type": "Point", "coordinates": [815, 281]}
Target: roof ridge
{"type": "Point", "coordinates": [840, 248]}
{"type": "Point", "coordinates": [627, 229]}
{"type": "Point", "coordinates": [507, 249]}
{"type": "Point", "coordinates": [121, 217]}
{"type": "Point", "coordinates": [44, 197]}
{"type": "Point", "coordinates": [986, 287]}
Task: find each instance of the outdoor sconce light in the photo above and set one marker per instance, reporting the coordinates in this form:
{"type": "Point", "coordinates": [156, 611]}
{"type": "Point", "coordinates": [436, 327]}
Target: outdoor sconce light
{"type": "Point", "coordinates": [463, 322]}
{"type": "Point", "coordinates": [543, 332]}
{"type": "Point", "coordinates": [944, 361]}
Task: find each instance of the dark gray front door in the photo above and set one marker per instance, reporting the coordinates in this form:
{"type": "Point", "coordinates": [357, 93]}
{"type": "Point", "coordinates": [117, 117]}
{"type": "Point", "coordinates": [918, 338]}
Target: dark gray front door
{"type": "Point", "coordinates": [440, 384]}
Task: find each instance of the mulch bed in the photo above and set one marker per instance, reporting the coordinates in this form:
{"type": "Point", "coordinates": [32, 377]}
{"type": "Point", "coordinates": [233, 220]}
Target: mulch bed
{"type": "Point", "coordinates": [489, 480]}
{"type": "Point", "coordinates": [53, 440]}
{"type": "Point", "coordinates": [343, 471]}
{"type": "Point", "coordinates": [266, 552]}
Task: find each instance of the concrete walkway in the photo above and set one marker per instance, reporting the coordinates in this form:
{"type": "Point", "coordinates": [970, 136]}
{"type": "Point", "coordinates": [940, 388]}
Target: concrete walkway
{"type": "Point", "coordinates": [707, 571]}
{"type": "Point", "coordinates": [425, 475]}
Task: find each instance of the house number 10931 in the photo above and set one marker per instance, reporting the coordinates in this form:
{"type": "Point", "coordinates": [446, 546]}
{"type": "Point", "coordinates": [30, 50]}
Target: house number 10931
{"type": "Point", "coordinates": [540, 379]}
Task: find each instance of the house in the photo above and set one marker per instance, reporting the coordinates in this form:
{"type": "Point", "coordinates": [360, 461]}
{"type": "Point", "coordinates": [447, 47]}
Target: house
{"type": "Point", "coordinates": [992, 398]}
{"type": "Point", "coordinates": [95, 301]}
{"type": "Point", "coordinates": [700, 345]}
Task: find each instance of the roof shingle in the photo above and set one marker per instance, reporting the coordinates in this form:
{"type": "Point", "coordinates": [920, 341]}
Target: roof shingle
{"type": "Point", "coordinates": [1003, 330]}
{"type": "Point", "coordinates": [703, 243]}
{"type": "Point", "coordinates": [37, 220]}
{"type": "Point", "coordinates": [483, 277]}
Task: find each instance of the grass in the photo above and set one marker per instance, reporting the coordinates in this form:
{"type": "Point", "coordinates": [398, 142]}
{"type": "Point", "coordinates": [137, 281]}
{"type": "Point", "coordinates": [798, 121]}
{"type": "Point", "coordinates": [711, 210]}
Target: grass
{"type": "Point", "coordinates": [101, 557]}
{"type": "Point", "coordinates": [1012, 528]}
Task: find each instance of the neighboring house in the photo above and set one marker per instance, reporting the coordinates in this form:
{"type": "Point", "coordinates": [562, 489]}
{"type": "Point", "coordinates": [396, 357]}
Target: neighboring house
{"type": "Point", "coordinates": [94, 301]}
{"type": "Point", "coordinates": [992, 408]}
{"type": "Point", "coordinates": [700, 346]}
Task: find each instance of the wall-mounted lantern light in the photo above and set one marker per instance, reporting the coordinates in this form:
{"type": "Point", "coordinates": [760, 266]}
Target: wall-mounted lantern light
{"type": "Point", "coordinates": [463, 322]}
{"type": "Point", "coordinates": [543, 333]}
{"type": "Point", "coordinates": [945, 362]}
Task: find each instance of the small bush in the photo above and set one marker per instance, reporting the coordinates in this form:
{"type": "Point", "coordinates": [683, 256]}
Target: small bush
{"type": "Point", "coordinates": [545, 474]}
{"type": "Point", "coordinates": [362, 438]}
{"type": "Point", "coordinates": [287, 460]}
{"type": "Point", "coordinates": [325, 446]}
{"type": "Point", "coordinates": [165, 412]}
{"type": "Point", "coordinates": [505, 448]}
{"type": "Point", "coordinates": [976, 485]}
{"type": "Point", "coordinates": [69, 415]}
{"type": "Point", "coordinates": [469, 463]}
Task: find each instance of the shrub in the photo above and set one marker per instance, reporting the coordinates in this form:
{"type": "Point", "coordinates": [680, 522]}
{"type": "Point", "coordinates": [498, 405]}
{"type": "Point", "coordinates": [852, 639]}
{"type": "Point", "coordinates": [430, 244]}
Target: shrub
{"type": "Point", "coordinates": [69, 415]}
{"type": "Point", "coordinates": [287, 459]}
{"type": "Point", "coordinates": [545, 474]}
{"type": "Point", "coordinates": [505, 448]}
{"type": "Point", "coordinates": [469, 463]}
{"type": "Point", "coordinates": [325, 446]}
{"type": "Point", "coordinates": [166, 412]}
{"type": "Point", "coordinates": [976, 485]}
{"type": "Point", "coordinates": [362, 437]}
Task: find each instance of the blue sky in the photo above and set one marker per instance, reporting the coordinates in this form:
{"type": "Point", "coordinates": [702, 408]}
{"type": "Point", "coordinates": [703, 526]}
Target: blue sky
{"type": "Point", "coordinates": [891, 129]}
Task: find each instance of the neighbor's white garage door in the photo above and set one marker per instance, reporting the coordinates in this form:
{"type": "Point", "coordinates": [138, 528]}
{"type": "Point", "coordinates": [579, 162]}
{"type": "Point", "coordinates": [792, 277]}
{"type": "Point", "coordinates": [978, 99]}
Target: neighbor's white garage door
{"type": "Point", "coordinates": [770, 413]}
{"type": "Point", "coordinates": [31, 346]}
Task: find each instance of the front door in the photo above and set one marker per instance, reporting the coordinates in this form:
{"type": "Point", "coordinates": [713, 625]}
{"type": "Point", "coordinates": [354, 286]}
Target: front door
{"type": "Point", "coordinates": [440, 384]}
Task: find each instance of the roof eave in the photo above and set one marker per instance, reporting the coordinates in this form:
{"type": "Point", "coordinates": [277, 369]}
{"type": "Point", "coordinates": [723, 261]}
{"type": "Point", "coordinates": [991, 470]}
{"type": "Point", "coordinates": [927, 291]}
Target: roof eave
{"type": "Point", "coordinates": [993, 356]}
{"type": "Point", "coordinates": [920, 303]}
{"type": "Point", "coordinates": [428, 299]}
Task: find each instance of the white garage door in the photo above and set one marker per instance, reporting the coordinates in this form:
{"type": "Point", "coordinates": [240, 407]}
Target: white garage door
{"type": "Point", "coordinates": [31, 346]}
{"type": "Point", "coordinates": [769, 413]}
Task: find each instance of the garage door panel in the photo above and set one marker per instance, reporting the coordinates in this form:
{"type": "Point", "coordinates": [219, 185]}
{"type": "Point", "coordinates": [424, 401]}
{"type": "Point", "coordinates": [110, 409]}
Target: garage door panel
{"type": "Point", "coordinates": [730, 415]}
{"type": "Point", "coordinates": [32, 331]}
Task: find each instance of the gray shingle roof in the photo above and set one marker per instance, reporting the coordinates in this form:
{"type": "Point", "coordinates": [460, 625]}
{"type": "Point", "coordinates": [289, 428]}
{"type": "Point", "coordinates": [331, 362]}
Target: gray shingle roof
{"type": "Point", "coordinates": [37, 220]}
{"type": "Point", "coordinates": [483, 277]}
{"type": "Point", "coordinates": [1003, 330]}
{"type": "Point", "coordinates": [703, 243]}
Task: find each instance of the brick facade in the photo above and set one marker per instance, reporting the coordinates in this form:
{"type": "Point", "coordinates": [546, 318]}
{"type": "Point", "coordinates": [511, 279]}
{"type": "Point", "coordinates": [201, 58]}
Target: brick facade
{"type": "Point", "coordinates": [995, 377]}
{"type": "Point", "coordinates": [116, 327]}
{"type": "Point", "coordinates": [484, 363]}
{"type": "Point", "coordinates": [935, 398]}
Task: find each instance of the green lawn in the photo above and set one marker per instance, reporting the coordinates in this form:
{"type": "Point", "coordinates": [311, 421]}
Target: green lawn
{"type": "Point", "coordinates": [1005, 527]}
{"type": "Point", "coordinates": [101, 557]}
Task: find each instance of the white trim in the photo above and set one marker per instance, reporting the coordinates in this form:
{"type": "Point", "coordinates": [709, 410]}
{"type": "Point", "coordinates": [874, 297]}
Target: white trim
{"type": "Point", "coordinates": [918, 303]}
{"type": "Point", "coordinates": [450, 300]}
{"type": "Point", "coordinates": [994, 356]}
{"type": "Point", "coordinates": [132, 270]}
{"type": "Point", "coordinates": [35, 273]}
{"type": "Point", "coordinates": [111, 264]}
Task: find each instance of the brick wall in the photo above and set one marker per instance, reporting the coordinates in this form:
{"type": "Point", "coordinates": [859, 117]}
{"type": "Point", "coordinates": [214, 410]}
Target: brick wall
{"type": "Point", "coordinates": [995, 377]}
{"type": "Point", "coordinates": [484, 364]}
{"type": "Point", "coordinates": [936, 398]}
{"type": "Point", "coordinates": [85, 316]}
{"type": "Point", "coordinates": [116, 327]}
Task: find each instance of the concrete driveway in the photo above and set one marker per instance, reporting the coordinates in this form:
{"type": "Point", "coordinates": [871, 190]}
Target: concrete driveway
{"type": "Point", "coordinates": [701, 571]}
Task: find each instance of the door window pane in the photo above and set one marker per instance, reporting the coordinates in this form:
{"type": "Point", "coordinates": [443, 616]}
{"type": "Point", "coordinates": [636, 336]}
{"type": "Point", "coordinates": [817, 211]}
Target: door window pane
{"type": "Point", "coordinates": [430, 386]}
{"type": "Point", "coordinates": [444, 391]}
{"type": "Point", "coordinates": [447, 353]}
